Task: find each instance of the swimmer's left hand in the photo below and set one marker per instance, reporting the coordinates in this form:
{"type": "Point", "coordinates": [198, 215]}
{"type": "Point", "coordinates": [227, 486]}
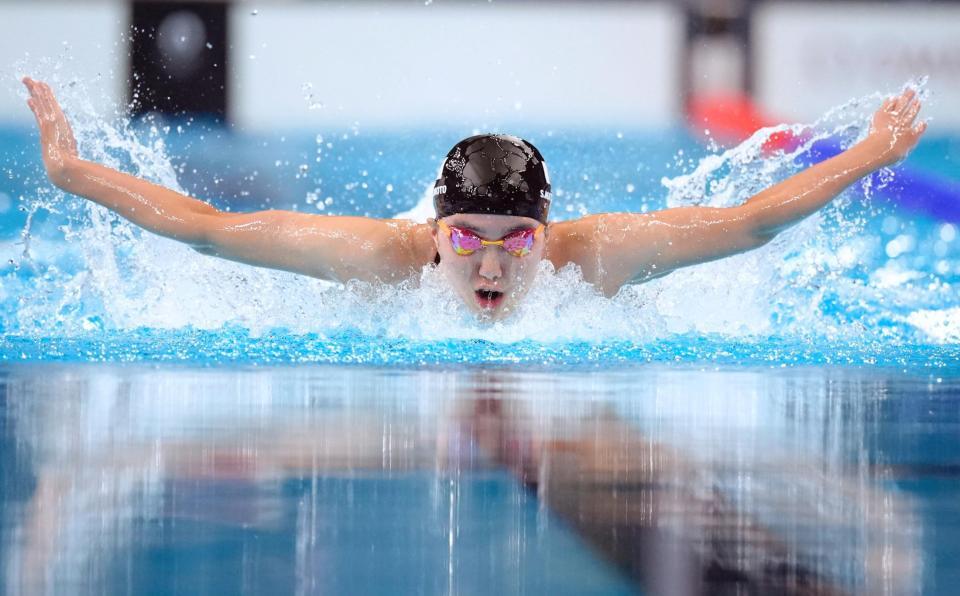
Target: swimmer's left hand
{"type": "Point", "coordinates": [893, 133]}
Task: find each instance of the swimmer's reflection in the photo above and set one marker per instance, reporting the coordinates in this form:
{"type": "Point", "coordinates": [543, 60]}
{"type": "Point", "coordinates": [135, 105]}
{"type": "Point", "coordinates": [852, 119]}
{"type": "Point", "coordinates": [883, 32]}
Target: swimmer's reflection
{"type": "Point", "coordinates": [668, 520]}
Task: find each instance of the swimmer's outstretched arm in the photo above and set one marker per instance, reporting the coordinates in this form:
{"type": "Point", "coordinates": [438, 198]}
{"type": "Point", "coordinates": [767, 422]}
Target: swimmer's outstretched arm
{"type": "Point", "coordinates": [627, 248]}
{"type": "Point", "coordinates": [333, 248]}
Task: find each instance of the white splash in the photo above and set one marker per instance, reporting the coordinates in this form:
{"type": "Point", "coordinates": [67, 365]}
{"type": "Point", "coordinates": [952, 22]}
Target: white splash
{"type": "Point", "coordinates": [101, 272]}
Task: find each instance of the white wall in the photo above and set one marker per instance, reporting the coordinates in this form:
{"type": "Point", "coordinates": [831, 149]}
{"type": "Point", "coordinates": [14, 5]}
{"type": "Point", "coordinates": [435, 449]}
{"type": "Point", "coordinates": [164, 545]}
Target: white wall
{"type": "Point", "coordinates": [63, 40]}
{"type": "Point", "coordinates": [478, 65]}
{"type": "Point", "coordinates": [811, 56]}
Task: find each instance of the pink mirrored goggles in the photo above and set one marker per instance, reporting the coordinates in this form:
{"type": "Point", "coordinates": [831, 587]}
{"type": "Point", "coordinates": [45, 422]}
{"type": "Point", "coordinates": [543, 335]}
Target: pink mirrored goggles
{"type": "Point", "coordinates": [465, 242]}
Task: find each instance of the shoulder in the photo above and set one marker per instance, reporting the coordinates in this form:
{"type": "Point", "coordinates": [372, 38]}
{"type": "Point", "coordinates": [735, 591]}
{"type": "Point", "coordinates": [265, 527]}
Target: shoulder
{"type": "Point", "coordinates": [561, 233]}
{"type": "Point", "coordinates": [414, 240]}
{"type": "Point", "coordinates": [573, 240]}
{"type": "Point", "coordinates": [607, 247]}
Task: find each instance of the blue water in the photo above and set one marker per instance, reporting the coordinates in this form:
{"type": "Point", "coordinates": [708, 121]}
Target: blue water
{"type": "Point", "coordinates": [177, 424]}
{"type": "Point", "coordinates": [317, 479]}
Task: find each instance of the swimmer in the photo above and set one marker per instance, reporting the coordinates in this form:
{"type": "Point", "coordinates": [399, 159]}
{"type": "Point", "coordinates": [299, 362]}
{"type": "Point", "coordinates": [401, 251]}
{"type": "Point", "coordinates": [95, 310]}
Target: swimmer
{"type": "Point", "coordinates": [491, 229]}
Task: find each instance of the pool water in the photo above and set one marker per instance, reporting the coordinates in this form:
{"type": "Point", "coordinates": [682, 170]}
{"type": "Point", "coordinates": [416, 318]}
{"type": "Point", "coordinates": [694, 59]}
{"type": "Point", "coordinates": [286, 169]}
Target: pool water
{"type": "Point", "coordinates": [331, 479]}
{"type": "Point", "coordinates": [780, 421]}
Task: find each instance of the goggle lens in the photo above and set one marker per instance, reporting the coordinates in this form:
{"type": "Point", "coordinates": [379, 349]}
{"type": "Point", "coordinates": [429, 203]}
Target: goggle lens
{"type": "Point", "coordinates": [518, 243]}
{"type": "Point", "coordinates": [466, 242]}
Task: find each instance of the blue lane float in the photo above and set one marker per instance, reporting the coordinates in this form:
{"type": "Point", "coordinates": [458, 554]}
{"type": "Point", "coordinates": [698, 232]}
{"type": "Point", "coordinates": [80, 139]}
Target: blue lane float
{"type": "Point", "coordinates": [918, 192]}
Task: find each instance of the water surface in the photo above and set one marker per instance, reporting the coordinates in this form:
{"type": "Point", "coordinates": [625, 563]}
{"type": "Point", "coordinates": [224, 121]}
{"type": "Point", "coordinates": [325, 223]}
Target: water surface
{"type": "Point", "coordinates": [318, 479]}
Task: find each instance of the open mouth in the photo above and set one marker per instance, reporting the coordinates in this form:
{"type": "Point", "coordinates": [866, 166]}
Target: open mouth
{"type": "Point", "coordinates": [488, 298]}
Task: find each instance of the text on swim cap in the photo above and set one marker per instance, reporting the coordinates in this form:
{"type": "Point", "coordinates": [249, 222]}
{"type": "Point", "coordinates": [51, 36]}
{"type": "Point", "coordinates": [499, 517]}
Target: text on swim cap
{"type": "Point", "coordinates": [439, 190]}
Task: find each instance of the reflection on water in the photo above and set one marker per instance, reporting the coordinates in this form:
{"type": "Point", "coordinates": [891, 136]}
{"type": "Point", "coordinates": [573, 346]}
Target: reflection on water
{"type": "Point", "coordinates": [345, 480]}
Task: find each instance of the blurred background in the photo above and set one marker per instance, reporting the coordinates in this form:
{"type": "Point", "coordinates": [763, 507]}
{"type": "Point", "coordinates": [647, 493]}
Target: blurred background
{"type": "Point", "coordinates": [290, 64]}
{"type": "Point", "coordinates": [690, 75]}
{"type": "Point", "coordinates": [274, 87]}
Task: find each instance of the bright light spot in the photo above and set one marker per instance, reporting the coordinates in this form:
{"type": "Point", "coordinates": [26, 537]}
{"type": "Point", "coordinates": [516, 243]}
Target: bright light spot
{"type": "Point", "coordinates": [518, 105]}
{"type": "Point", "coordinates": [891, 225]}
{"type": "Point", "coordinates": [893, 249]}
{"type": "Point", "coordinates": [948, 233]}
{"type": "Point", "coordinates": [899, 245]}
{"type": "Point", "coordinates": [631, 188]}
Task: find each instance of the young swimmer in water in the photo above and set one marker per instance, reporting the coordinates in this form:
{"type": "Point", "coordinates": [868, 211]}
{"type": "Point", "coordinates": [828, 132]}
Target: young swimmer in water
{"type": "Point", "coordinates": [491, 230]}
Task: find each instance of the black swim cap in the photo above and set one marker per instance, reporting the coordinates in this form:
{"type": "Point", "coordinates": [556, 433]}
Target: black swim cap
{"type": "Point", "coordinates": [497, 174]}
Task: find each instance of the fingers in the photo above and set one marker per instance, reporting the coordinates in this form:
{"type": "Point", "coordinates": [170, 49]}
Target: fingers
{"type": "Point", "coordinates": [896, 104]}
{"type": "Point", "coordinates": [910, 112]}
{"type": "Point", "coordinates": [53, 123]}
{"type": "Point", "coordinates": [904, 99]}
{"type": "Point", "coordinates": [47, 110]}
{"type": "Point", "coordinates": [40, 107]}
{"type": "Point", "coordinates": [49, 103]}
{"type": "Point", "coordinates": [33, 108]}
{"type": "Point", "coordinates": [52, 103]}
{"type": "Point", "coordinates": [45, 104]}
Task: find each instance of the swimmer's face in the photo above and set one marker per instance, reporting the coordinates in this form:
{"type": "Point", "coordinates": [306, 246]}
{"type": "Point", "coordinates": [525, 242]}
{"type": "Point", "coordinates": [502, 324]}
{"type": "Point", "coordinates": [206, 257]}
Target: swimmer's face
{"type": "Point", "coordinates": [490, 281]}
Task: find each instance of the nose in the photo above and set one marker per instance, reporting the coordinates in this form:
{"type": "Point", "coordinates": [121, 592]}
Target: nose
{"type": "Point", "coordinates": [490, 268]}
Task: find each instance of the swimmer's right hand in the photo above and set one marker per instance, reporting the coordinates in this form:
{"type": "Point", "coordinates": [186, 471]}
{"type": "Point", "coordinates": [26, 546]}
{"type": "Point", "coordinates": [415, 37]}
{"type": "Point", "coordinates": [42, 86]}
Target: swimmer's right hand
{"type": "Point", "coordinates": [57, 142]}
{"type": "Point", "coordinates": [894, 131]}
